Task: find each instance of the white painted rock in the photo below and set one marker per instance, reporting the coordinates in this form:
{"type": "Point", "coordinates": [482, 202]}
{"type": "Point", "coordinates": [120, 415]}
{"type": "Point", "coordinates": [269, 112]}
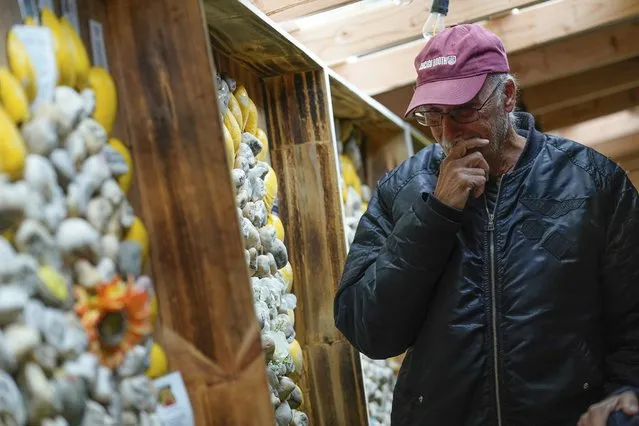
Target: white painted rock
{"type": "Point", "coordinates": [58, 421]}
{"type": "Point", "coordinates": [33, 237]}
{"type": "Point", "coordinates": [116, 162]}
{"type": "Point", "coordinates": [127, 215]}
{"type": "Point", "coordinates": [8, 361]}
{"type": "Point", "coordinates": [75, 342]}
{"type": "Point", "coordinates": [40, 175]}
{"type": "Point", "coordinates": [46, 357]}
{"type": "Point", "coordinates": [13, 202]}
{"type": "Point", "coordinates": [21, 340]}
{"type": "Point", "coordinates": [110, 246]}
{"type": "Point", "coordinates": [112, 192]}
{"type": "Point", "coordinates": [95, 415]}
{"type": "Point", "coordinates": [70, 105]}
{"type": "Point", "coordinates": [76, 235]}
{"type": "Point", "coordinates": [70, 397]}
{"type": "Point", "coordinates": [39, 393]}
{"type": "Point", "coordinates": [8, 265]}
{"type": "Point", "coordinates": [85, 366]}
{"type": "Point", "coordinates": [95, 137]}
{"type": "Point", "coordinates": [103, 387]}
{"type": "Point", "coordinates": [33, 314]}
{"type": "Point", "coordinates": [107, 269]}
{"type": "Point", "coordinates": [115, 408]}
{"type": "Point", "coordinates": [129, 418]}
{"type": "Point", "coordinates": [74, 145]}
{"type": "Point", "coordinates": [11, 401]}
{"type": "Point", "coordinates": [134, 362]}
{"type": "Point", "coordinates": [99, 211]}
{"type": "Point", "coordinates": [12, 301]}
{"type": "Point", "coordinates": [130, 258]}
{"type": "Point", "coordinates": [88, 103]}
{"type": "Point", "coordinates": [40, 134]}
{"type": "Point", "coordinates": [54, 213]}
{"type": "Point", "coordinates": [138, 393]}
{"type": "Point", "coordinates": [63, 164]}
{"type": "Point", "coordinates": [96, 169]}
{"type": "Point", "coordinates": [53, 327]}
{"type": "Point", "coordinates": [86, 274]}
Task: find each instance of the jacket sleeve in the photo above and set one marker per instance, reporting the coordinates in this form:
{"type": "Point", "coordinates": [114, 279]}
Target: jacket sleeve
{"type": "Point", "coordinates": [620, 284]}
{"type": "Point", "coordinates": [390, 272]}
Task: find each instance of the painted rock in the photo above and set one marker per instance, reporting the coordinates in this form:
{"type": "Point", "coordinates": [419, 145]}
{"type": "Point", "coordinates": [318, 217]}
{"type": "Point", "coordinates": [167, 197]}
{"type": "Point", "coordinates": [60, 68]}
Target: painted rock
{"type": "Point", "coordinates": [11, 401]}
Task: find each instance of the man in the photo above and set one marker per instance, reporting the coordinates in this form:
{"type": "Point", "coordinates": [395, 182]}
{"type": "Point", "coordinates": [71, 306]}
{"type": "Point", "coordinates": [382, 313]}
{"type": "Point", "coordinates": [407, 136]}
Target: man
{"type": "Point", "coordinates": [502, 260]}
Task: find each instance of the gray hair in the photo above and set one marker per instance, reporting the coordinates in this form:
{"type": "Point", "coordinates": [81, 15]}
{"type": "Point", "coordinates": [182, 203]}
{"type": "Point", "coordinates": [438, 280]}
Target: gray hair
{"type": "Point", "coordinates": [499, 78]}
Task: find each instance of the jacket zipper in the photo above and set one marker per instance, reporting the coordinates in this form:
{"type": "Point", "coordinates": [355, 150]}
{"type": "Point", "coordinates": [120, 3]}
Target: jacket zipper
{"type": "Point", "coordinates": [493, 285]}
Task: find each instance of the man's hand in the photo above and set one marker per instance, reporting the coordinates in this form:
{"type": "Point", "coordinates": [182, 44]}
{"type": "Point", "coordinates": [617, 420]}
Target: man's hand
{"type": "Point", "coordinates": [597, 414]}
{"type": "Point", "coordinates": [462, 173]}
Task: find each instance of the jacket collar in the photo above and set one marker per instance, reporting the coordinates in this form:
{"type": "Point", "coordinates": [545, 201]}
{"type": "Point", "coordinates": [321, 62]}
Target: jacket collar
{"type": "Point", "coordinates": [525, 127]}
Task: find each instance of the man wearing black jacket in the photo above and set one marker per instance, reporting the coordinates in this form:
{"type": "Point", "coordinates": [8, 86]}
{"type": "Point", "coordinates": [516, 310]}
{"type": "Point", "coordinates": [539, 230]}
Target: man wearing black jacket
{"type": "Point", "coordinates": [502, 260]}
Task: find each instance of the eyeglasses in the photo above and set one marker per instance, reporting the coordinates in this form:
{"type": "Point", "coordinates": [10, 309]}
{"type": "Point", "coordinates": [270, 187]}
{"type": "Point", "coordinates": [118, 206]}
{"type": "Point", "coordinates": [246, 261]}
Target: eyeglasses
{"type": "Point", "coordinates": [462, 115]}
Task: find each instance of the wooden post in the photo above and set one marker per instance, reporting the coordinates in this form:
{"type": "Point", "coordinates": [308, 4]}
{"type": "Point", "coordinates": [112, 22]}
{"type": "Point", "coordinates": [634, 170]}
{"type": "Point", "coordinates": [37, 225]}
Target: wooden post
{"type": "Point", "coordinates": [162, 60]}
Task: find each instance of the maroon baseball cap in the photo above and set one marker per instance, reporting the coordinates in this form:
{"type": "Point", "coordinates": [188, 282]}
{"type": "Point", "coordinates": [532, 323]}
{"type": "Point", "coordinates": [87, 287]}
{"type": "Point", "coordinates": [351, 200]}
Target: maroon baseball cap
{"type": "Point", "coordinates": [452, 67]}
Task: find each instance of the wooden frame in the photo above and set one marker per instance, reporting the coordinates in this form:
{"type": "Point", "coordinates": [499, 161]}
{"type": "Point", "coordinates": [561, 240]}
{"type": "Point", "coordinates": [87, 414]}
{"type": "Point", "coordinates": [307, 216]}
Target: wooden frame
{"type": "Point", "coordinates": [387, 144]}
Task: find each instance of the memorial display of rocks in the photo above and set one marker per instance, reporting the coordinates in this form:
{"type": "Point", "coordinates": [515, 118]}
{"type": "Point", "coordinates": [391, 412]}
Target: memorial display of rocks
{"type": "Point", "coordinates": [76, 309]}
{"type": "Point", "coordinates": [271, 274]}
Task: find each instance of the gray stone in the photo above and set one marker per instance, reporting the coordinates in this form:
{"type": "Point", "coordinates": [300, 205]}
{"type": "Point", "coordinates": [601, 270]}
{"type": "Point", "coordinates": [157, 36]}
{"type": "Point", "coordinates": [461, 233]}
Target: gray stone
{"type": "Point", "coordinates": [130, 258]}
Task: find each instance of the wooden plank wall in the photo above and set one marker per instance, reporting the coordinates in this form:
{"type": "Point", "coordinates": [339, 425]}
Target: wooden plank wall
{"type": "Point", "coordinates": [305, 158]}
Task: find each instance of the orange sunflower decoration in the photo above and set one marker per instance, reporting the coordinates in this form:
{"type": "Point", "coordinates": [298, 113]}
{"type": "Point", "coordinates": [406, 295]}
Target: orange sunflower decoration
{"type": "Point", "coordinates": [116, 318]}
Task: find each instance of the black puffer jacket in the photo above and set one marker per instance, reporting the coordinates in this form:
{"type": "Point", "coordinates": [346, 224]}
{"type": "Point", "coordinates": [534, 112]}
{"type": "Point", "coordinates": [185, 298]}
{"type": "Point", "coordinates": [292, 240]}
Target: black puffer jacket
{"type": "Point", "coordinates": [527, 324]}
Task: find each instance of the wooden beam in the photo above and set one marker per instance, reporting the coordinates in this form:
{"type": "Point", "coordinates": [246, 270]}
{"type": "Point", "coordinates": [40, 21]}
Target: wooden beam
{"type": "Point", "coordinates": [579, 47]}
{"type": "Point", "coordinates": [576, 54]}
{"type": "Point", "coordinates": [359, 33]}
{"type": "Point", "coordinates": [630, 162]}
{"type": "Point", "coordinates": [619, 148]}
{"type": "Point", "coordinates": [603, 129]}
{"type": "Point", "coordinates": [573, 90]}
{"type": "Point", "coordinates": [634, 177]}
{"type": "Point", "coordinates": [284, 10]}
{"type": "Point", "coordinates": [584, 111]}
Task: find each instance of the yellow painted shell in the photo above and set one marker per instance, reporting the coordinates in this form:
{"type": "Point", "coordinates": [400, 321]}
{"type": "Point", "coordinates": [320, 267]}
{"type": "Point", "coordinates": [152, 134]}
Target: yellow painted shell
{"type": "Point", "coordinates": [276, 222]}
{"type": "Point", "coordinates": [270, 183]}
{"type": "Point", "coordinates": [298, 359]}
{"type": "Point", "coordinates": [158, 365]}
{"type": "Point", "coordinates": [287, 276]}
{"type": "Point", "coordinates": [13, 151]}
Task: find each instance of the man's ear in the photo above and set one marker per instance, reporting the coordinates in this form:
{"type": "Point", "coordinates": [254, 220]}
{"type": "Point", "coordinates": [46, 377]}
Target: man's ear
{"type": "Point", "coordinates": [510, 95]}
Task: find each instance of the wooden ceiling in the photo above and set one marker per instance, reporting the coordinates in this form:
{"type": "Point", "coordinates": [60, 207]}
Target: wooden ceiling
{"type": "Point", "coordinates": [577, 61]}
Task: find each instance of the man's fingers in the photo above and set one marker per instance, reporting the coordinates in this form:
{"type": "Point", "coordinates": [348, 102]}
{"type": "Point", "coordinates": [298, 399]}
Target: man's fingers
{"type": "Point", "coordinates": [461, 148]}
{"type": "Point", "coordinates": [476, 181]}
{"type": "Point", "coordinates": [628, 403]}
{"type": "Point", "coordinates": [597, 415]}
{"type": "Point", "coordinates": [475, 160]}
{"type": "Point", "coordinates": [601, 415]}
